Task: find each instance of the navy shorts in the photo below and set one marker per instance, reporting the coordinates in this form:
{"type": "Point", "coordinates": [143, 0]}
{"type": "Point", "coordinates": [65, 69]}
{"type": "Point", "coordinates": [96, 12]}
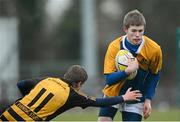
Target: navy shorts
{"type": "Point", "coordinates": [108, 112]}
{"type": "Point", "coordinates": [126, 116]}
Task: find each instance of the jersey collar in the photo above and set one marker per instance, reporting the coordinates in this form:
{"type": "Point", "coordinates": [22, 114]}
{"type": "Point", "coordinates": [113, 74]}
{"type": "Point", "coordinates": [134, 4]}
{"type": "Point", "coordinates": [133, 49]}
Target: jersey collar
{"type": "Point", "coordinates": [139, 48]}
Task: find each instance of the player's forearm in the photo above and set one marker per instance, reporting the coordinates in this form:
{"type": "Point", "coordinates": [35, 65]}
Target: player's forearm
{"type": "Point", "coordinates": [108, 101]}
{"type": "Point", "coordinates": [153, 81]}
{"type": "Point", "coordinates": [115, 77]}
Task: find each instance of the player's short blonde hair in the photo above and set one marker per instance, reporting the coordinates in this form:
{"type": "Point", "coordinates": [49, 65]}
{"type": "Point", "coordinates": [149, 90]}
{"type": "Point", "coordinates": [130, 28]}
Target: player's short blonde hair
{"type": "Point", "coordinates": [134, 17]}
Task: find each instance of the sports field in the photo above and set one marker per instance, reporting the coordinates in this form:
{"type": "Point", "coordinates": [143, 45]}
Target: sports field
{"type": "Point", "coordinates": [91, 115]}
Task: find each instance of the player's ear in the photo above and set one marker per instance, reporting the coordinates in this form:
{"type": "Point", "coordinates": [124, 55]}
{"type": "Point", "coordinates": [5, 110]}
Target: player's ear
{"type": "Point", "coordinates": [79, 85]}
{"type": "Point", "coordinates": [125, 29]}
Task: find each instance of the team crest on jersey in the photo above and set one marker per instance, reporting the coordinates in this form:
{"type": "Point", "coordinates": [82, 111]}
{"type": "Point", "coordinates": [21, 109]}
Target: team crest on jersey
{"type": "Point", "coordinates": [143, 62]}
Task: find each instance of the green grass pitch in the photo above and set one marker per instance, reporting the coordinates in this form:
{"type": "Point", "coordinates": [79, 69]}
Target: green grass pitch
{"type": "Point", "coordinates": [90, 114]}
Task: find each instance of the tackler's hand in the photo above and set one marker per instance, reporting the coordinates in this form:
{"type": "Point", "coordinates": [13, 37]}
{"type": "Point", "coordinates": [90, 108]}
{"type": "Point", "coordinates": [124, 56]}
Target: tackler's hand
{"type": "Point", "coordinates": [132, 95]}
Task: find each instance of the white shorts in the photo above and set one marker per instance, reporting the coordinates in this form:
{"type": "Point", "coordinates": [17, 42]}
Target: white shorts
{"type": "Point", "coordinates": [135, 108]}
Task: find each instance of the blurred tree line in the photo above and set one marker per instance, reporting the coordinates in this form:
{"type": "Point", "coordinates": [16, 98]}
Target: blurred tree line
{"type": "Point", "coordinates": [40, 45]}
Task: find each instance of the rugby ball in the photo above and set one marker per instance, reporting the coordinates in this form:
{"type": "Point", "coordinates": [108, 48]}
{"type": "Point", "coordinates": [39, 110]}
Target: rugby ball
{"type": "Point", "coordinates": [121, 62]}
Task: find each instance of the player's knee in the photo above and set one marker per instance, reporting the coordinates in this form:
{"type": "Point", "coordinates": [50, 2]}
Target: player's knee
{"type": "Point", "coordinates": [104, 119]}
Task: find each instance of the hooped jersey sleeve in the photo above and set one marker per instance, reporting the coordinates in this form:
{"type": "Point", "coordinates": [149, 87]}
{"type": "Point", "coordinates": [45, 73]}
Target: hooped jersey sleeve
{"type": "Point", "coordinates": [84, 101]}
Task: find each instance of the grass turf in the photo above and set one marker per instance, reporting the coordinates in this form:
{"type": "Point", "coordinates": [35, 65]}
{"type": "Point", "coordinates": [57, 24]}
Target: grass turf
{"type": "Point", "coordinates": [91, 115]}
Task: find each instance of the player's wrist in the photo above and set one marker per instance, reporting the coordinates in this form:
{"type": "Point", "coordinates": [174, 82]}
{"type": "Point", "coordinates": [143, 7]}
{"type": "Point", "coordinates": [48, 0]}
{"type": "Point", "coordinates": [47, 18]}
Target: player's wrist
{"type": "Point", "coordinates": [128, 71]}
{"type": "Point", "coordinates": [148, 101]}
{"type": "Point", "coordinates": [124, 98]}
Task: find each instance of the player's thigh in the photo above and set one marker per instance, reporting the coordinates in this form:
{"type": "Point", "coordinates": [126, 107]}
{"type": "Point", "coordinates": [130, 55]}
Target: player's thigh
{"type": "Point", "coordinates": [129, 116]}
{"type": "Point", "coordinates": [107, 112]}
{"type": "Point", "coordinates": [132, 112]}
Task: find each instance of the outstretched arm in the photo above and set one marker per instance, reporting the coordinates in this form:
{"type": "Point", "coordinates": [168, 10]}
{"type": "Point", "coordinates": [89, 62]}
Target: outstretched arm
{"type": "Point", "coordinates": [85, 101]}
{"type": "Point", "coordinates": [128, 96]}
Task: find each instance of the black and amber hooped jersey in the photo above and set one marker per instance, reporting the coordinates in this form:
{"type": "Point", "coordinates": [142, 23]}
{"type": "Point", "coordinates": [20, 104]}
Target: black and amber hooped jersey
{"type": "Point", "coordinates": [47, 99]}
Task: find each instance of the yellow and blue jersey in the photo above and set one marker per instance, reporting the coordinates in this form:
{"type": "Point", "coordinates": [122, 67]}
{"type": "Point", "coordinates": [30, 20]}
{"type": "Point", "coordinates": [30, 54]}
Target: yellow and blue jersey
{"type": "Point", "coordinates": [149, 56]}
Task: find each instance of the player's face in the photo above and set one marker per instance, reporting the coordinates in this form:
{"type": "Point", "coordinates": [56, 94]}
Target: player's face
{"type": "Point", "coordinates": [134, 34]}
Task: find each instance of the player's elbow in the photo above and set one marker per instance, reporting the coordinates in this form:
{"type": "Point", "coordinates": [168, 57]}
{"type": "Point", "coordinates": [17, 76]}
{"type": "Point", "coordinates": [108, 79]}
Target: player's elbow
{"type": "Point", "coordinates": [108, 80]}
{"type": "Point", "coordinates": [20, 84]}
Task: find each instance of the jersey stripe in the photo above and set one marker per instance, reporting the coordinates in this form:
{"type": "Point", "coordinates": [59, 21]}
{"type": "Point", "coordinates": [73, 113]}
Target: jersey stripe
{"type": "Point", "coordinates": [37, 97]}
{"type": "Point", "coordinates": [15, 115]}
{"type": "Point", "coordinates": [43, 103]}
{"type": "Point", "coordinates": [3, 118]}
{"type": "Point", "coordinates": [28, 112]}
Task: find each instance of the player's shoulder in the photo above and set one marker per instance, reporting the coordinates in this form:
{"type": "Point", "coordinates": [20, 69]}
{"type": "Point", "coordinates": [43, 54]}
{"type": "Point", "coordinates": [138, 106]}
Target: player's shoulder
{"type": "Point", "coordinates": [150, 41]}
{"type": "Point", "coordinates": [153, 45]}
{"type": "Point", "coordinates": [115, 42]}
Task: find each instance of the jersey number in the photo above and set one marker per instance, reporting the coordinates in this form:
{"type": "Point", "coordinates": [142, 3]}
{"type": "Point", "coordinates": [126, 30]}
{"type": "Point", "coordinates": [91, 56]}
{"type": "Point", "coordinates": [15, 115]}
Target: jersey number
{"type": "Point", "coordinates": [43, 103]}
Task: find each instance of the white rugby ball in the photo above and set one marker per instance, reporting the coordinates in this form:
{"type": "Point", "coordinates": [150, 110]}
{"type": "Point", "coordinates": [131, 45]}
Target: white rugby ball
{"type": "Point", "coordinates": [121, 62]}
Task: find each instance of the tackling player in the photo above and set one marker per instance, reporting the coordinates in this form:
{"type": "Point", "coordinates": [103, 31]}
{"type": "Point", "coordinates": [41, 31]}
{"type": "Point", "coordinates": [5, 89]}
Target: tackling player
{"type": "Point", "coordinates": [45, 98]}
